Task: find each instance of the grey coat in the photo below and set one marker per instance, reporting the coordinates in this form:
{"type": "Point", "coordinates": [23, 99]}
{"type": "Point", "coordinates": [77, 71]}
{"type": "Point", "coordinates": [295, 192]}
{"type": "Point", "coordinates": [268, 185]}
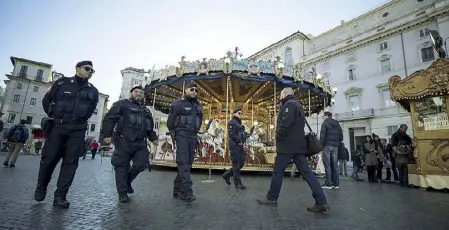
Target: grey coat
{"type": "Point", "coordinates": [370, 154]}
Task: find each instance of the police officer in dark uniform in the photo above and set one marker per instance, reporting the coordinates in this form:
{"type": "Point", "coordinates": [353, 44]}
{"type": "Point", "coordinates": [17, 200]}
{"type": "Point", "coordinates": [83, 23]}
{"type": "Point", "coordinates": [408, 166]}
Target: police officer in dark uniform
{"type": "Point", "coordinates": [133, 124]}
{"type": "Point", "coordinates": [184, 122]}
{"type": "Point", "coordinates": [237, 137]}
{"type": "Point", "coordinates": [69, 103]}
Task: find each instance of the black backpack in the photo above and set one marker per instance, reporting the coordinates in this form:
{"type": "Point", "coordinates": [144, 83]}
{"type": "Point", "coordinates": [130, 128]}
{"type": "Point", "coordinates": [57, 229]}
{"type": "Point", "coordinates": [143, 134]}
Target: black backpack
{"type": "Point", "coordinates": [17, 134]}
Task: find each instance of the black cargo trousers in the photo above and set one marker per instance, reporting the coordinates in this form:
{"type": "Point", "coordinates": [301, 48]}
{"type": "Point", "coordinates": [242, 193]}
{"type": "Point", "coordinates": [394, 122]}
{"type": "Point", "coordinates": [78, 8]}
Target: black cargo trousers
{"type": "Point", "coordinates": [124, 152]}
{"type": "Point", "coordinates": [66, 142]}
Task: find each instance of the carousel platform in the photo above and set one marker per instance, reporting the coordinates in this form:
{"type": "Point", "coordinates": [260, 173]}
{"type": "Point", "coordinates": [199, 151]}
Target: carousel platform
{"type": "Point", "coordinates": [218, 167]}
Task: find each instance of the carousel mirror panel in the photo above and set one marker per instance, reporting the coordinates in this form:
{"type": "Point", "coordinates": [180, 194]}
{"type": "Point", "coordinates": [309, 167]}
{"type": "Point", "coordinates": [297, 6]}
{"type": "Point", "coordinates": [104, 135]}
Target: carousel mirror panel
{"type": "Point", "coordinates": [431, 114]}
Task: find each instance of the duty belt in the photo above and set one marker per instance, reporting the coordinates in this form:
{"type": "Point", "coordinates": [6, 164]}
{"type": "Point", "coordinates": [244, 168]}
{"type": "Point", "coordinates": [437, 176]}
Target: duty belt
{"type": "Point", "coordinates": [69, 121]}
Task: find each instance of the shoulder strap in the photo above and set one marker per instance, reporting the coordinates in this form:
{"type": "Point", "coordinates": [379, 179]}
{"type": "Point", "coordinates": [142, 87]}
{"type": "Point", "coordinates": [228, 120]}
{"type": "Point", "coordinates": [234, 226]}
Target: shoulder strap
{"type": "Point", "coordinates": [301, 111]}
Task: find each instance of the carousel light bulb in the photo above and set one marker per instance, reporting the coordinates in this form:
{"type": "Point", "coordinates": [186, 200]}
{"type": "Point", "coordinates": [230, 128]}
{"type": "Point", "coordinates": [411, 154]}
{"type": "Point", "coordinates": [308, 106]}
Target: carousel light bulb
{"type": "Point", "coordinates": [318, 77]}
{"type": "Point", "coordinates": [332, 100]}
{"type": "Point", "coordinates": [206, 122]}
{"type": "Point", "coordinates": [256, 123]}
{"type": "Point", "coordinates": [271, 126]}
{"type": "Point", "coordinates": [334, 89]}
{"type": "Point", "coordinates": [281, 65]}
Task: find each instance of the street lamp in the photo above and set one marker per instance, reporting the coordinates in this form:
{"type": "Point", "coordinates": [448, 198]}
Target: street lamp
{"type": "Point", "coordinates": [437, 43]}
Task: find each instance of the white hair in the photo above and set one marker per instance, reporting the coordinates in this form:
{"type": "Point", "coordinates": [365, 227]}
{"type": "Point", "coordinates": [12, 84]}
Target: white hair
{"type": "Point", "coordinates": [287, 91]}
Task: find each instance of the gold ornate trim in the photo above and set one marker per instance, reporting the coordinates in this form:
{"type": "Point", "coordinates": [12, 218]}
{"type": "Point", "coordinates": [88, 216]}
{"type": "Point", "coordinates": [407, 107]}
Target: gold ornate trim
{"type": "Point", "coordinates": [437, 155]}
{"type": "Point", "coordinates": [430, 82]}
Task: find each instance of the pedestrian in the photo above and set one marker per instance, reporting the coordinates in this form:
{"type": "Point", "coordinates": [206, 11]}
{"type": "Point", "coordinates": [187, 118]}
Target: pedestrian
{"type": "Point", "coordinates": [237, 137]}
{"type": "Point", "coordinates": [17, 137]}
{"type": "Point", "coordinates": [331, 136]}
{"type": "Point", "coordinates": [370, 151]}
{"type": "Point", "coordinates": [133, 124]}
{"type": "Point", "coordinates": [389, 152]}
{"type": "Point", "coordinates": [291, 144]}
{"type": "Point", "coordinates": [401, 152]}
{"type": "Point", "coordinates": [356, 164]}
{"type": "Point", "coordinates": [184, 121]}
{"type": "Point", "coordinates": [37, 146]}
{"type": "Point", "coordinates": [69, 103]}
{"type": "Point", "coordinates": [94, 148]}
{"type": "Point", "coordinates": [343, 158]}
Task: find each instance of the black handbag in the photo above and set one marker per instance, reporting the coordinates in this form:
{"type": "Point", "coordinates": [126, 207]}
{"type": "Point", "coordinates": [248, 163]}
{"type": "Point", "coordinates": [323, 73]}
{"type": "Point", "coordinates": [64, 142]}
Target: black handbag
{"type": "Point", "coordinates": [314, 145]}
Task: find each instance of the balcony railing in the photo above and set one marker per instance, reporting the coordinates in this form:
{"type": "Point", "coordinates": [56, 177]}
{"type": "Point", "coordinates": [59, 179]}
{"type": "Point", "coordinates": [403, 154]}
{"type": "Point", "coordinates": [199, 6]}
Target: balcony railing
{"type": "Point", "coordinates": [354, 115]}
{"type": "Point", "coordinates": [38, 78]}
{"type": "Point", "coordinates": [22, 74]}
{"type": "Point", "coordinates": [392, 111]}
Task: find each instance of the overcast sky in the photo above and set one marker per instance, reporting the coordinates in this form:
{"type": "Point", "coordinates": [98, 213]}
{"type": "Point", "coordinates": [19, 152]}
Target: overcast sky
{"type": "Point", "coordinates": [117, 34]}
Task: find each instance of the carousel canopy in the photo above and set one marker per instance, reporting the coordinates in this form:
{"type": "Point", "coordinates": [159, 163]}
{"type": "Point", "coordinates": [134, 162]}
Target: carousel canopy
{"type": "Point", "coordinates": [432, 82]}
{"type": "Point", "coordinates": [238, 81]}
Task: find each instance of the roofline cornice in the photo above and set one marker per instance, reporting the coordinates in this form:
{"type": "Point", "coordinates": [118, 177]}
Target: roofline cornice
{"type": "Point", "coordinates": [278, 44]}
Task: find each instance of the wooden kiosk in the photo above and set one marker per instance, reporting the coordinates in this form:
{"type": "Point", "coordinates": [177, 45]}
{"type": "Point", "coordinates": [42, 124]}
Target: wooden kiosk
{"type": "Point", "coordinates": [425, 94]}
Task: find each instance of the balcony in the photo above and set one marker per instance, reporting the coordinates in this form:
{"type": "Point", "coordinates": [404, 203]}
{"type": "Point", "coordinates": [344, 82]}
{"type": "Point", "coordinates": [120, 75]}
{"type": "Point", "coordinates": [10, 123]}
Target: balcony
{"type": "Point", "coordinates": [392, 111]}
{"type": "Point", "coordinates": [38, 78]}
{"type": "Point", "coordinates": [355, 115]}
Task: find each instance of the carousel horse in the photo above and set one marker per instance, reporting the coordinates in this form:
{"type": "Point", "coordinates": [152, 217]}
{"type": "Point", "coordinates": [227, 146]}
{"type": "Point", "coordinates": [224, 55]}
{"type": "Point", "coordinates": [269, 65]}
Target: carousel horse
{"type": "Point", "coordinates": [212, 140]}
{"type": "Point", "coordinates": [167, 147]}
{"type": "Point", "coordinates": [253, 142]}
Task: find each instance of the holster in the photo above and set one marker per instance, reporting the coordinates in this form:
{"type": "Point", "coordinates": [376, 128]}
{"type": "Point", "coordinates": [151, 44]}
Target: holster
{"type": "Point", "coordinates": [47, 126]}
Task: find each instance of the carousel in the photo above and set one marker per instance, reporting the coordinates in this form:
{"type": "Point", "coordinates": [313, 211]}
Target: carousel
{"type": "Point", "coordinates": [223, 85]}
{"type": "Point", "coordinates": [425, 94]}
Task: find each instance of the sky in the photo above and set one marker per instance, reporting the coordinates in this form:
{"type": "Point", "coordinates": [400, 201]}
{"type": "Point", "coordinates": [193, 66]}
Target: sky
{"type": "Point", "coordinates": [115, 34]}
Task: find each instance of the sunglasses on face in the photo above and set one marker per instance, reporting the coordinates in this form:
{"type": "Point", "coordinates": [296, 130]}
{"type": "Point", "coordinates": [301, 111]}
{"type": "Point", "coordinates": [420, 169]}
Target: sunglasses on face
{"type": "Point", "coordinates": [240, 113]}
{"type": "Point", "coordinates": [88, 69]}
{"type": "Point", "coordinates": [193, 90]}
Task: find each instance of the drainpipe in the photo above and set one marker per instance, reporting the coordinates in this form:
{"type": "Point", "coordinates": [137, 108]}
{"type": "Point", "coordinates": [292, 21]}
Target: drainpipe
{"type": "Point", "coordinates": [403, 55]}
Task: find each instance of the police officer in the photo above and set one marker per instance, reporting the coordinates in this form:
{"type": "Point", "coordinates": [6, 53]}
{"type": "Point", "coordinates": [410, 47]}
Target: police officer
{"type": "Point", "coordinates": [69, 103]}
{"type": "Point", "coordinates": [184, 122]}
{"type": "Point", "coordinates": [133, 124]}
{"type": "Point", "coordinates": [237, 137]}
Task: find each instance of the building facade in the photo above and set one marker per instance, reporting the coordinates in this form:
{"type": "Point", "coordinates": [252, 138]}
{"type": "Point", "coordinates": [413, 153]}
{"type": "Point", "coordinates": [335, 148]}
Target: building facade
{"type": "Point", "coordinates": [25, 88]}
{"type": "Point", "coordinates": [130, 78]}
{"type": "Point", "coordinates": [358, 57]}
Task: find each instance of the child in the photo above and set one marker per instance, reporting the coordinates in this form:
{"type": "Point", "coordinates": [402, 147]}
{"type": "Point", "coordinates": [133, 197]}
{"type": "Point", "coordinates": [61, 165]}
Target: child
{"type": "Point", "coordinates": [356, 164]}
{"type": "Point", "coordinates": [402, 153]}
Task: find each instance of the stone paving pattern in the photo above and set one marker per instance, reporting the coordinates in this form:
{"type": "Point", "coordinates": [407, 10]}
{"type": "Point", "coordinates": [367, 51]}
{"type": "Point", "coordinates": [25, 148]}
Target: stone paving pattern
{"type": "Point", "coordinates": [357, 205]}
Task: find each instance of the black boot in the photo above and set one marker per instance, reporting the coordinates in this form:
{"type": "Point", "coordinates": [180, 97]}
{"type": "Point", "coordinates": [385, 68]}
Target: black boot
{"type": "Point", "coordinates": [238, 184]}
{"type": "Point", "coordinates": [61, 202]}
{"type": "Point", "coordinates": [123, 198]}
{"type": "Point", "coordinates": [40, 193]}
{"type": "Point", "coordinates": [6, 163]}
{"type": "Point", "coordinates": [130, 189]}
{"type": "Point", "coordinates": [227, 177]}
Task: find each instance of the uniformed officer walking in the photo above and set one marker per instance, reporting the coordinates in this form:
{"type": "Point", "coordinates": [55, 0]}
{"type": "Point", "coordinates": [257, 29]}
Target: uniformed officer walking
{"type": "Point", "coordinates": [237, 137]}
{"type": "Point", "coordinates": [69, 103]}
{"type": "Point", "coordinates": [184, 122]}
{"type": "Point", "coordinates": [133, 124]}
{"type": "Point", "coordinates": [291, 144]}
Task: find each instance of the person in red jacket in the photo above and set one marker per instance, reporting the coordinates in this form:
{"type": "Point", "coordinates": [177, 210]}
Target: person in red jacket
{"type": "Point", "coordinates": [93, 148]}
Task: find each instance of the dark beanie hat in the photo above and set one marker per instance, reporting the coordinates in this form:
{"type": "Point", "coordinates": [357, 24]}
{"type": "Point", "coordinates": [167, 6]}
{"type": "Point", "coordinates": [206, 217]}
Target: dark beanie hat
{"type": "Point", "coordinates": [374, 135]}
{"type": "Point", "coordinates": [81, 63]}
{"type": "Point", "coordinates": [238, 109]}
{"type": "Point", "coordinates": [190, 84]}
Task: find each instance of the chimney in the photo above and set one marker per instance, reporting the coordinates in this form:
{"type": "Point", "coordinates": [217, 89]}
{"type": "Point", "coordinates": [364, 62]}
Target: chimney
{"type": "Point", "coordinates": [342, 22]}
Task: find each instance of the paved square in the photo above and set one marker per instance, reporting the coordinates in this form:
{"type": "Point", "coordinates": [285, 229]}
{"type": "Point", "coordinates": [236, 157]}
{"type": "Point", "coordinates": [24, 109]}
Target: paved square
{"type": "Point", "coordinates": [357, 205]}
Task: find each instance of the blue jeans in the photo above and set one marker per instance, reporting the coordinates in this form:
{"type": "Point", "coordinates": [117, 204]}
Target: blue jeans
{"type": "Point", "coordinates": [330, 161]}
{"type": "Point", "coordinates": [300, 159]}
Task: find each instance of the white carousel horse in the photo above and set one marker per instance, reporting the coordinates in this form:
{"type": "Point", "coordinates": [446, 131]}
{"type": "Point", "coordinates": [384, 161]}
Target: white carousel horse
{"type": "Point", "coordinates": [214, 137]}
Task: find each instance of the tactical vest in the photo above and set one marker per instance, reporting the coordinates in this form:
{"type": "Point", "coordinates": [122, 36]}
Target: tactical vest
{"type": "Point", "coordinates": [189, 118]}
{"type": "Point", "coordinates": [73, 101]}
{"type": "Point", "coordinates": [134, 121]}
{"type": "Point", "coordinates": [241, 136]}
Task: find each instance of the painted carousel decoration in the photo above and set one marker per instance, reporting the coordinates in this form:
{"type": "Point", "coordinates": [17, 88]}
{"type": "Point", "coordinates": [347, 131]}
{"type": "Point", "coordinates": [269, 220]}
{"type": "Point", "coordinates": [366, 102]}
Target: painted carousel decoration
{"type": "Point", "coordinates": [425, 94]}
{"type": "Point", "coordinates": [223, 85]}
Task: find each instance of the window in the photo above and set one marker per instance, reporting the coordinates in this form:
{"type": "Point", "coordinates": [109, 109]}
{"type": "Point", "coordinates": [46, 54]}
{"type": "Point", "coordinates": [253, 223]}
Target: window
{"type": "Point", "coordinates": [96, 111]}
{"type": "Point", "coordinates": [33, 101]}
{"type": "Point", "coordinates": [424, 32]}
{"type": "Point", "coordinates": [29, 120]}
{"type": "Point", "coordinates": [35, 88]}
{"type": "Point", "coordinates": [16, 98]}
{"type": "Point", "coordinates": [387, 102]}
{"type": "Point", "coordinates": [23, 71]}
{"type": "Point", "coordinates": [11, 118]}
{"type": "Point", "coordinates": [92, 127]}
{"type": "Point", "coordinates": [351, 74]}
{"type": "Point", "coordinates": [391, 129]}
{"type": "Point", "coordinates": [156, 124]}
{"type": "Point", "coordinates": [288, 57]}
{"type": "Point", "coordinates": [383, 46]}
{"type": "Point", "coordinates": [19, 85]}
{"type": "Point", "coordinates": [354, 103]}
{"type": "Point", "coordinates": [325, 65]}
{"type": "Point", "coordinates": [385, 65]}
{"type": "Point", "coordinates": [427, 54]}
{"type": "Point", "coordinates": [39, 74]}
{"type": "Point", "coordinates": [136, 82]}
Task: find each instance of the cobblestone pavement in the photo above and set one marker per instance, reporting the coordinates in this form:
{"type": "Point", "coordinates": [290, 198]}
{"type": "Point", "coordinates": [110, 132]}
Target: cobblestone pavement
{"type": "Point", "coordinates": [357, 205]}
